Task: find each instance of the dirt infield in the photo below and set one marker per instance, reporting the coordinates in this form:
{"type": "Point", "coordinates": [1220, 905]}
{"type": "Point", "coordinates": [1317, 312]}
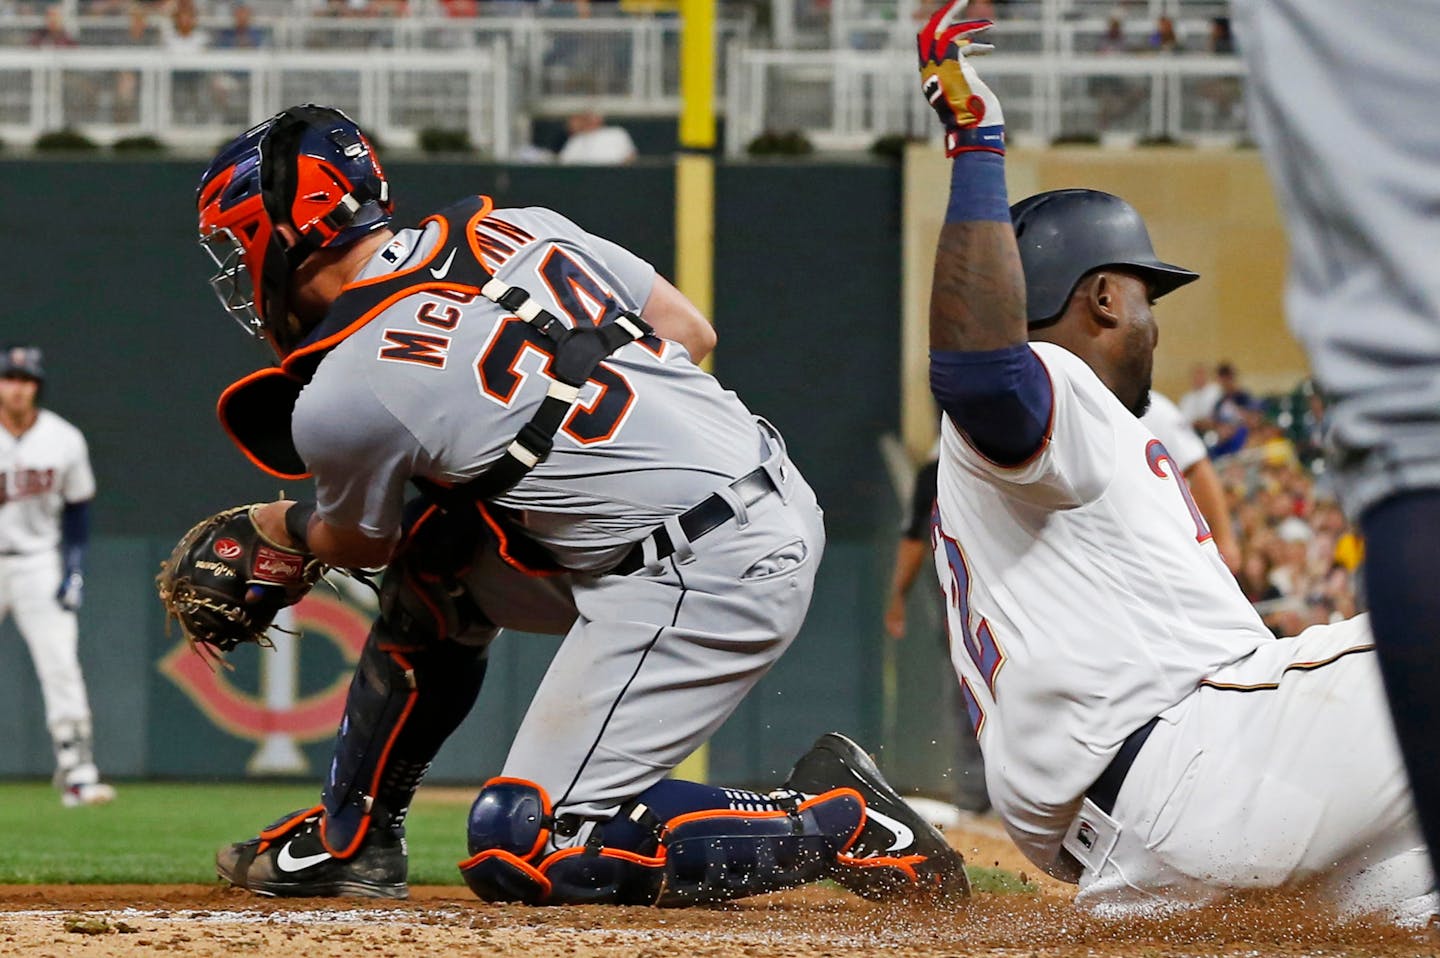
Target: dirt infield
{"type": "Point", "coordinates": [186, 920]}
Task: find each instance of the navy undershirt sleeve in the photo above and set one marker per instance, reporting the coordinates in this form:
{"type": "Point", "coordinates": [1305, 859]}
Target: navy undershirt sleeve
{"type": "Point", "coordinates": [1001, 398]}
{"type": "Point", "coordinates": [74, 534]}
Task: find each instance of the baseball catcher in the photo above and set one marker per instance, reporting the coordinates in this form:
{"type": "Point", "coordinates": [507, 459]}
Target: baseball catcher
{"type": "Point", "coordinates": [578, 474]}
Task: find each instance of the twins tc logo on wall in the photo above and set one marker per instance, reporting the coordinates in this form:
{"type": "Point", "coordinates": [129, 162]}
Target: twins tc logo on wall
{"type": "Point", "coordinates": [288, 709]}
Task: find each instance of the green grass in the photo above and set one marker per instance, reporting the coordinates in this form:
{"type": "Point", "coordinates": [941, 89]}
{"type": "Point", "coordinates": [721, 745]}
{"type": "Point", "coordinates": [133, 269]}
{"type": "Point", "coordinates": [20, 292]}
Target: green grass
{"type": "Point", "coordinates": [158, 833]}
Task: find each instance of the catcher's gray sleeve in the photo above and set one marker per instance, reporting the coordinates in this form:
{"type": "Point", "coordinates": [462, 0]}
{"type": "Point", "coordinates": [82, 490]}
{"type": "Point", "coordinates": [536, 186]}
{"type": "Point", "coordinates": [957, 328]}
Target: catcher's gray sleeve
{"type": "Point", "coordinates": [634, 274]}
{"type": "Point", "coordinates": [361, 455]}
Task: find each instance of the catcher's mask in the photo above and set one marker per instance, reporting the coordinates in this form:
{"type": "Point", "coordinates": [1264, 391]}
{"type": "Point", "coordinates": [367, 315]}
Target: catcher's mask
{"type": "Point", "coordinates": [309, 168]}
{"type": "Point", "coordinates": [1065, 235]}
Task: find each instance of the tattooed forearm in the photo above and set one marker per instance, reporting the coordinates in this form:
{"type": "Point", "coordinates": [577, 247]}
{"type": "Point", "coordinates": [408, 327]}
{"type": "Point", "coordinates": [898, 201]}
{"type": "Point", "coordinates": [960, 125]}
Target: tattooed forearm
{"type": "Point", "coordinates": [977, 298]}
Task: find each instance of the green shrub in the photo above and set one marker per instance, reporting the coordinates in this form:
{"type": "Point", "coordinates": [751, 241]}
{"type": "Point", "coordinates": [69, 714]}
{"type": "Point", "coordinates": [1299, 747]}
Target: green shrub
{"type": "Point", "coordinates": [436, 140]}
{"type": "Point", "coordinates": [138, 144]}
{"type": "Point", "coordinates": [891, 146]}
{"type": "Point", "coordinates": [66, 140]}
{"type": "Point", "coordinates": [788, 143]}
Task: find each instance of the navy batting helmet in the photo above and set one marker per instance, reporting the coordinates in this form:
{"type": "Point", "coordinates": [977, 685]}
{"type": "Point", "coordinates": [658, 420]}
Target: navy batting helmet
{"type": "Point", "coordinates": [22, 361]}
{"type": "Point", "coordinates": [1065, 234]}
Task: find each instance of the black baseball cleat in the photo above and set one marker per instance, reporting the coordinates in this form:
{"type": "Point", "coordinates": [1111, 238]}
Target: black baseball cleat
{"type": "Point", "coordinates": [288, 859]}
{"type": "Point", "coordinates": [898, 854]}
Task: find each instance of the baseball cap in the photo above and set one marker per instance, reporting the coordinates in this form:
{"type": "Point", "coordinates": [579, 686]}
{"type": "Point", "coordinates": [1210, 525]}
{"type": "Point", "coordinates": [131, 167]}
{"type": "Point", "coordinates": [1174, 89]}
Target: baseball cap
{"type": "Point", "coordinates": [22, 361]}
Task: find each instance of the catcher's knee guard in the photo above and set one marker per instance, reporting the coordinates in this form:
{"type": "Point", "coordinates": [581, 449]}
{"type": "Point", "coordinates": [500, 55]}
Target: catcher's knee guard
{"type": "Point", "coordinates": [510, 827]}
{"type": "Point", "coordinates": [703, 856]}
{"type": "Point", "coordinates": [401, 707]}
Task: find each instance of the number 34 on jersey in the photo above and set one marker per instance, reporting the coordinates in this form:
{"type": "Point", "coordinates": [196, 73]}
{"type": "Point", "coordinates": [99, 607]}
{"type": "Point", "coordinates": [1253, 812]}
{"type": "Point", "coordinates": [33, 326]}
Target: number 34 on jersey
{"type": "Point", "coordinates": [514, 351]}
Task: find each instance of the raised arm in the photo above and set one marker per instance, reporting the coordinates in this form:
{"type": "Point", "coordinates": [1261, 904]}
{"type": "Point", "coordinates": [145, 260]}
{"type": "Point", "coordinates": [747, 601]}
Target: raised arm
{"type": "Point", "coordinates": [977, 301]}
{"type": "Point", "coordinates": [982, 370]}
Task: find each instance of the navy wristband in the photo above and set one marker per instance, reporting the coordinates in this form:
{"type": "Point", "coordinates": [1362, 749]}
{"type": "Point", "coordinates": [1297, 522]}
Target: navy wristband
{"type": "Point", "coordinates": [977, 188]}
{"type": "Point", "coordinates": [297, 523]}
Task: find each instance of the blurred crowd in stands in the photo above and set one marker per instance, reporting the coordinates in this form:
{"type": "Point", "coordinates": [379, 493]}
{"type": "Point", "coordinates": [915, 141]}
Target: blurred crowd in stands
{"type": "Point", "coordinates": [1301, 560]}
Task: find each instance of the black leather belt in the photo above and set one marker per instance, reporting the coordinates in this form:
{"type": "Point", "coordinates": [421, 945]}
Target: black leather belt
{"type": "Point", "coordinates": [1107, 787]}
{"type": "Point", "coordinates": [709, 514]}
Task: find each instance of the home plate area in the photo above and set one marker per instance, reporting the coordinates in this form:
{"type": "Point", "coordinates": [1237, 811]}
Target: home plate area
{"type": "Point", "coordinates": [812, 922]}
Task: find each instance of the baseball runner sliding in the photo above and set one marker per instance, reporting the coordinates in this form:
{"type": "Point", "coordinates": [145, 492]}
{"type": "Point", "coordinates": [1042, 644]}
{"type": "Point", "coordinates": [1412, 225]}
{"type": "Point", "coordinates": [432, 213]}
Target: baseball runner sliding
{"type": "Point", "coordinates": [1144, 734]}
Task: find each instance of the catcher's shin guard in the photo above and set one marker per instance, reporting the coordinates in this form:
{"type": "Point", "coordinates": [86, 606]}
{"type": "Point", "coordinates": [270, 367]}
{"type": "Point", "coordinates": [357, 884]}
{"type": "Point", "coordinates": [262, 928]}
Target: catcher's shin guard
{"type": "Point", "coordinates": [640, 857]}
{"type": "Point", "coordinates": [897, 854]}
{"type": "Point", "coordinates": [401, 707]}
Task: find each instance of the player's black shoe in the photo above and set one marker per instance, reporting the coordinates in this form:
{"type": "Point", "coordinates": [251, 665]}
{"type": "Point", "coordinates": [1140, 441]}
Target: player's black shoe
{"type": "Point", "coordinates": [288, 859]}
{"type": "Point", "coordinates": [898, 853]}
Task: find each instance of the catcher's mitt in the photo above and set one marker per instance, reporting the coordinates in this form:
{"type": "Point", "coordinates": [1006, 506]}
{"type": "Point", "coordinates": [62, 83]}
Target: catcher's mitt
{"type": "Point", "coordinates": [225, 581]}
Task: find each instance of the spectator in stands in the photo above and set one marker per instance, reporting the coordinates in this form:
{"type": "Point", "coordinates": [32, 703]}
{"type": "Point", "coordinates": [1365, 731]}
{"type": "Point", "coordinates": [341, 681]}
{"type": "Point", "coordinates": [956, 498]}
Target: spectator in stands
{"type": "Point", "coordinates": [54, 33]}
{"type": "Point", "coordinates": [1233, 416]}
{"type": "Point", "coordinates": [1222, 40]}
{"type": "Point", "coordinates": [230, 90]}
{"type": "Point", "coordinates": [127, 82]}
{"type": "Point", "coordinates": [592, 142]}
{"type": "Point", "coordinates": [1310, 431]}
{"type": "Point", "coordinates": [1231, 392]}
{"type": "Point", "coordinates": [137, 26]}
{"type": "Point", "coordinates": [1220, 95]}
{"type": "Point", "coordinates": [242, 34]}
{"type": "Point", "coordinates": [1163, 38]}
{"type": "Point", "coordinates": [181, 32]}
{"type": "Point", "coordinates": [1116, 97]}
{"type": "Point", "coordinates": [1301, 558]}
{"type": "Point", "coordinates": [1113, 40]}
{"type": "Point", "coordinates": [980, 10]}
{"type": "Point", "coordinates": [1198, 405]}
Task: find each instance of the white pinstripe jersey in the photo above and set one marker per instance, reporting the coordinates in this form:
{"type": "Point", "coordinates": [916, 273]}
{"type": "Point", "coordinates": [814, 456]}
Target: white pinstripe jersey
{"type": "Point", "coordinates": [1083, 597]}
{"type": "Point", "coordinates": [41, 470]}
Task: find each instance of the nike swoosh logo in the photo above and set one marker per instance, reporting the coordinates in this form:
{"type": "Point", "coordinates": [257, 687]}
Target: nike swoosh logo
{"type": "Point", "coordinates": [902, 834]}
{"type": "Point", "coordinates": [440, 273]}
{"type": "Point", "coordinates": [287, 862]}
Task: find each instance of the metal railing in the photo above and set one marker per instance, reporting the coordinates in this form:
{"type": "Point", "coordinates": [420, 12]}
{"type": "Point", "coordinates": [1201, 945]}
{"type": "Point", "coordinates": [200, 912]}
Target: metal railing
{"type": "Point", "coordinates": [845, 99]}
{"type": "Point", "coordinates": [199, 100]}
{"type": "Point", "coordinates": [483, 74]}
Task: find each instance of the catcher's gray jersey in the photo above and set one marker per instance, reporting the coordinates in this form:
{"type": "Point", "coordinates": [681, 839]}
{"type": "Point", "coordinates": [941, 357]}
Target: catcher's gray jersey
{"type": "Point", "coordinates": [439, 383]}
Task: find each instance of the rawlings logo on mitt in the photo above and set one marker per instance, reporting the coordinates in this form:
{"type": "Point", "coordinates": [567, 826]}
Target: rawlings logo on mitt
{"type": "Point", "coordinates": [225, 581]}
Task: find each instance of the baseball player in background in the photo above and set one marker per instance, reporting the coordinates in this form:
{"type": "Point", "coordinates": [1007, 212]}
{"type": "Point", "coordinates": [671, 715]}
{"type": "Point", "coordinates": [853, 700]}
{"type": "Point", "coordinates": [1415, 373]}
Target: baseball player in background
{"type": "Point", "coordinates": [45, 490]}
{"type": "Point", "coordinates": [1364, 298]}
{"type": "Point", "coordinates": [582, 476]}
{"type": "Point", "coordinates": [1144, 733]}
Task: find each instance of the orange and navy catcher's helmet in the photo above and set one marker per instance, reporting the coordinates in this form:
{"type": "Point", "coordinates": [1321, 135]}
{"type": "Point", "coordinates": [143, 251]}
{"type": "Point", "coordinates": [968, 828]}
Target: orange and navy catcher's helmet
{"type": "Point", "coordinates": [309, 168]}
